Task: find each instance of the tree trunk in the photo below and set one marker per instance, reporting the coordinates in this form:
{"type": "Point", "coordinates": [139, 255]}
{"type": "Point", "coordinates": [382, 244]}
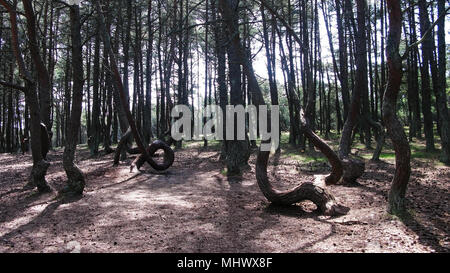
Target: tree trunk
{"type": "Point", "coordinates": [238, 151]}
{"type": "Point", "coordinates": [442, 98]}
{"type": "Point", "coordinates": [343, 59]}
{"type": "Point", "coordinates": [393, 125]}
{"type": "Point", "coordinates": [42, 72]}
{"type": "Point", "coordinates": [221, 71]}
{"type": "Point", "coordinates": [94, 134]}
{"type": "Point", "coordinates": [148, 78]}
{"type": "Point", "coordinates": [361, 83]}
{"type": "Point", "coordinates": [425, 77]}
{"type": "Point", "coordinates": [76, 181]}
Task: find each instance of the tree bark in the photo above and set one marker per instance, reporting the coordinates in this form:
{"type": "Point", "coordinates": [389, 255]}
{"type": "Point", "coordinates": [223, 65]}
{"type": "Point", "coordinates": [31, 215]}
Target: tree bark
{"type": "Point", "coordinates": [76, 181]}
{"type": "Point", "coordinates": [393, 125]}
{"type": "Point", "coordinates": [425, 78]}
{"type": "Point", "coordinates": [94, 134]}
{"type": "Point", "coordinates": [238, 151]}
{"type": "Point", "coordinates": [442, 97]}
{"type": "Point", "coordinates": [41, 69]}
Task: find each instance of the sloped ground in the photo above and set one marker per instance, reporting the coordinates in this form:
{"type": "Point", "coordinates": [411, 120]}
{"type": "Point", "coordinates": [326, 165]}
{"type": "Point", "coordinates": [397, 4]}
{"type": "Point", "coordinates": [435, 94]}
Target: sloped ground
{"type": "Point", "coordinates": [195, 208]}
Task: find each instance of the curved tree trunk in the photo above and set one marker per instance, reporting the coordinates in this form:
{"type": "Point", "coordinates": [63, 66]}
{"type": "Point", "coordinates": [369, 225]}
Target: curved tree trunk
{"type": "Point", "coordinates": [392, 123]}
{"type": "Point", "coordinates": [40, 165]}
{"type": "Point", "coordinates": [380, 140]}
{"type": "Point", "coordinates": [123, 144]}
{"type": "Point", "coordinates": [169, 156]}
{"type": "Point", "coordinates": [120, 87]}
{"type": "Point", "coordinates": [308, 191]}
{"type": "Point", "coordinates": [76, 181]}
{"type": "Point", "coordinates": [315, 192]}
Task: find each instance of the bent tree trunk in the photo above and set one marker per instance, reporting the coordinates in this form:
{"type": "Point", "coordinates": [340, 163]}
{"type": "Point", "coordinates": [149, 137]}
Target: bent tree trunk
{"type": "Point", "coordinates": [354, 168]}
{"type": "Point", "coordinates": [119, 85]}
{"type": "Point", "coordinates": [40, 166]}
{"type": "Point", "coordinates": [380, 140]}
{"type": "Point", "coordinates": [76, 181]}
{"type": "Point", "coordinates": [123, 144]}
{"type": "Point", "coordinates": [307, 191]}
{"type": "Point", "coordinates": [392, 123]}
{"type": "Point", "coordinates": [123, 147]}
{"type": "Point", "coordinates": [336, 164]}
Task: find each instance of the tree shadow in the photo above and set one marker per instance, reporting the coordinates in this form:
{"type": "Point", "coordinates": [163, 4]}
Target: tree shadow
{"type": "Point", "coordinates": [427, 203]}
{"type": "Point", "coordinates": [31, 225]}
{"type": "Point", "coordinates": [426, 234]}
{"type": "Point", "coordinates": [298, 212]}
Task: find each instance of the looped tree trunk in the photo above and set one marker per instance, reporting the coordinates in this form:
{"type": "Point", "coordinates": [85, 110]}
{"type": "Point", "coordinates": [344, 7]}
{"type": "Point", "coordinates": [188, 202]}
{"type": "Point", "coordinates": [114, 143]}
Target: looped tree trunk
{"type": "Point", "coordinates": [169, 157]}
{"type": "Point", "coordinates": [336, 165]}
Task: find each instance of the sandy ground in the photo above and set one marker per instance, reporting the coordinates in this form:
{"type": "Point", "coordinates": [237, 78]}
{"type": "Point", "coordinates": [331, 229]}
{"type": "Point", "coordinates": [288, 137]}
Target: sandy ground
{"type": "Point", "coordinates": [194, 208]}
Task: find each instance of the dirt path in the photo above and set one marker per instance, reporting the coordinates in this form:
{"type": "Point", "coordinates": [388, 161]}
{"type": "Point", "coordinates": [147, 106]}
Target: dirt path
{"type": "Point", "coordinates": [194, 208]}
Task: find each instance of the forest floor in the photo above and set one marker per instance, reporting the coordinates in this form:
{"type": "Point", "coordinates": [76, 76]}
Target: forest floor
{"type": "Point", "coordinates": [194, 207]}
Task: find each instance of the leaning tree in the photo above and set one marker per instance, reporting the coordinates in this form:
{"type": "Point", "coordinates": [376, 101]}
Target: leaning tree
{"type": "Point", "coordinates": [146, 153]}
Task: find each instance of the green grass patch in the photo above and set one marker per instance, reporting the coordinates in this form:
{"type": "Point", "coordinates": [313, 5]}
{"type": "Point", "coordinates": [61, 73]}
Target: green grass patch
{"type": "Point", "coordinates": [303, 157]}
